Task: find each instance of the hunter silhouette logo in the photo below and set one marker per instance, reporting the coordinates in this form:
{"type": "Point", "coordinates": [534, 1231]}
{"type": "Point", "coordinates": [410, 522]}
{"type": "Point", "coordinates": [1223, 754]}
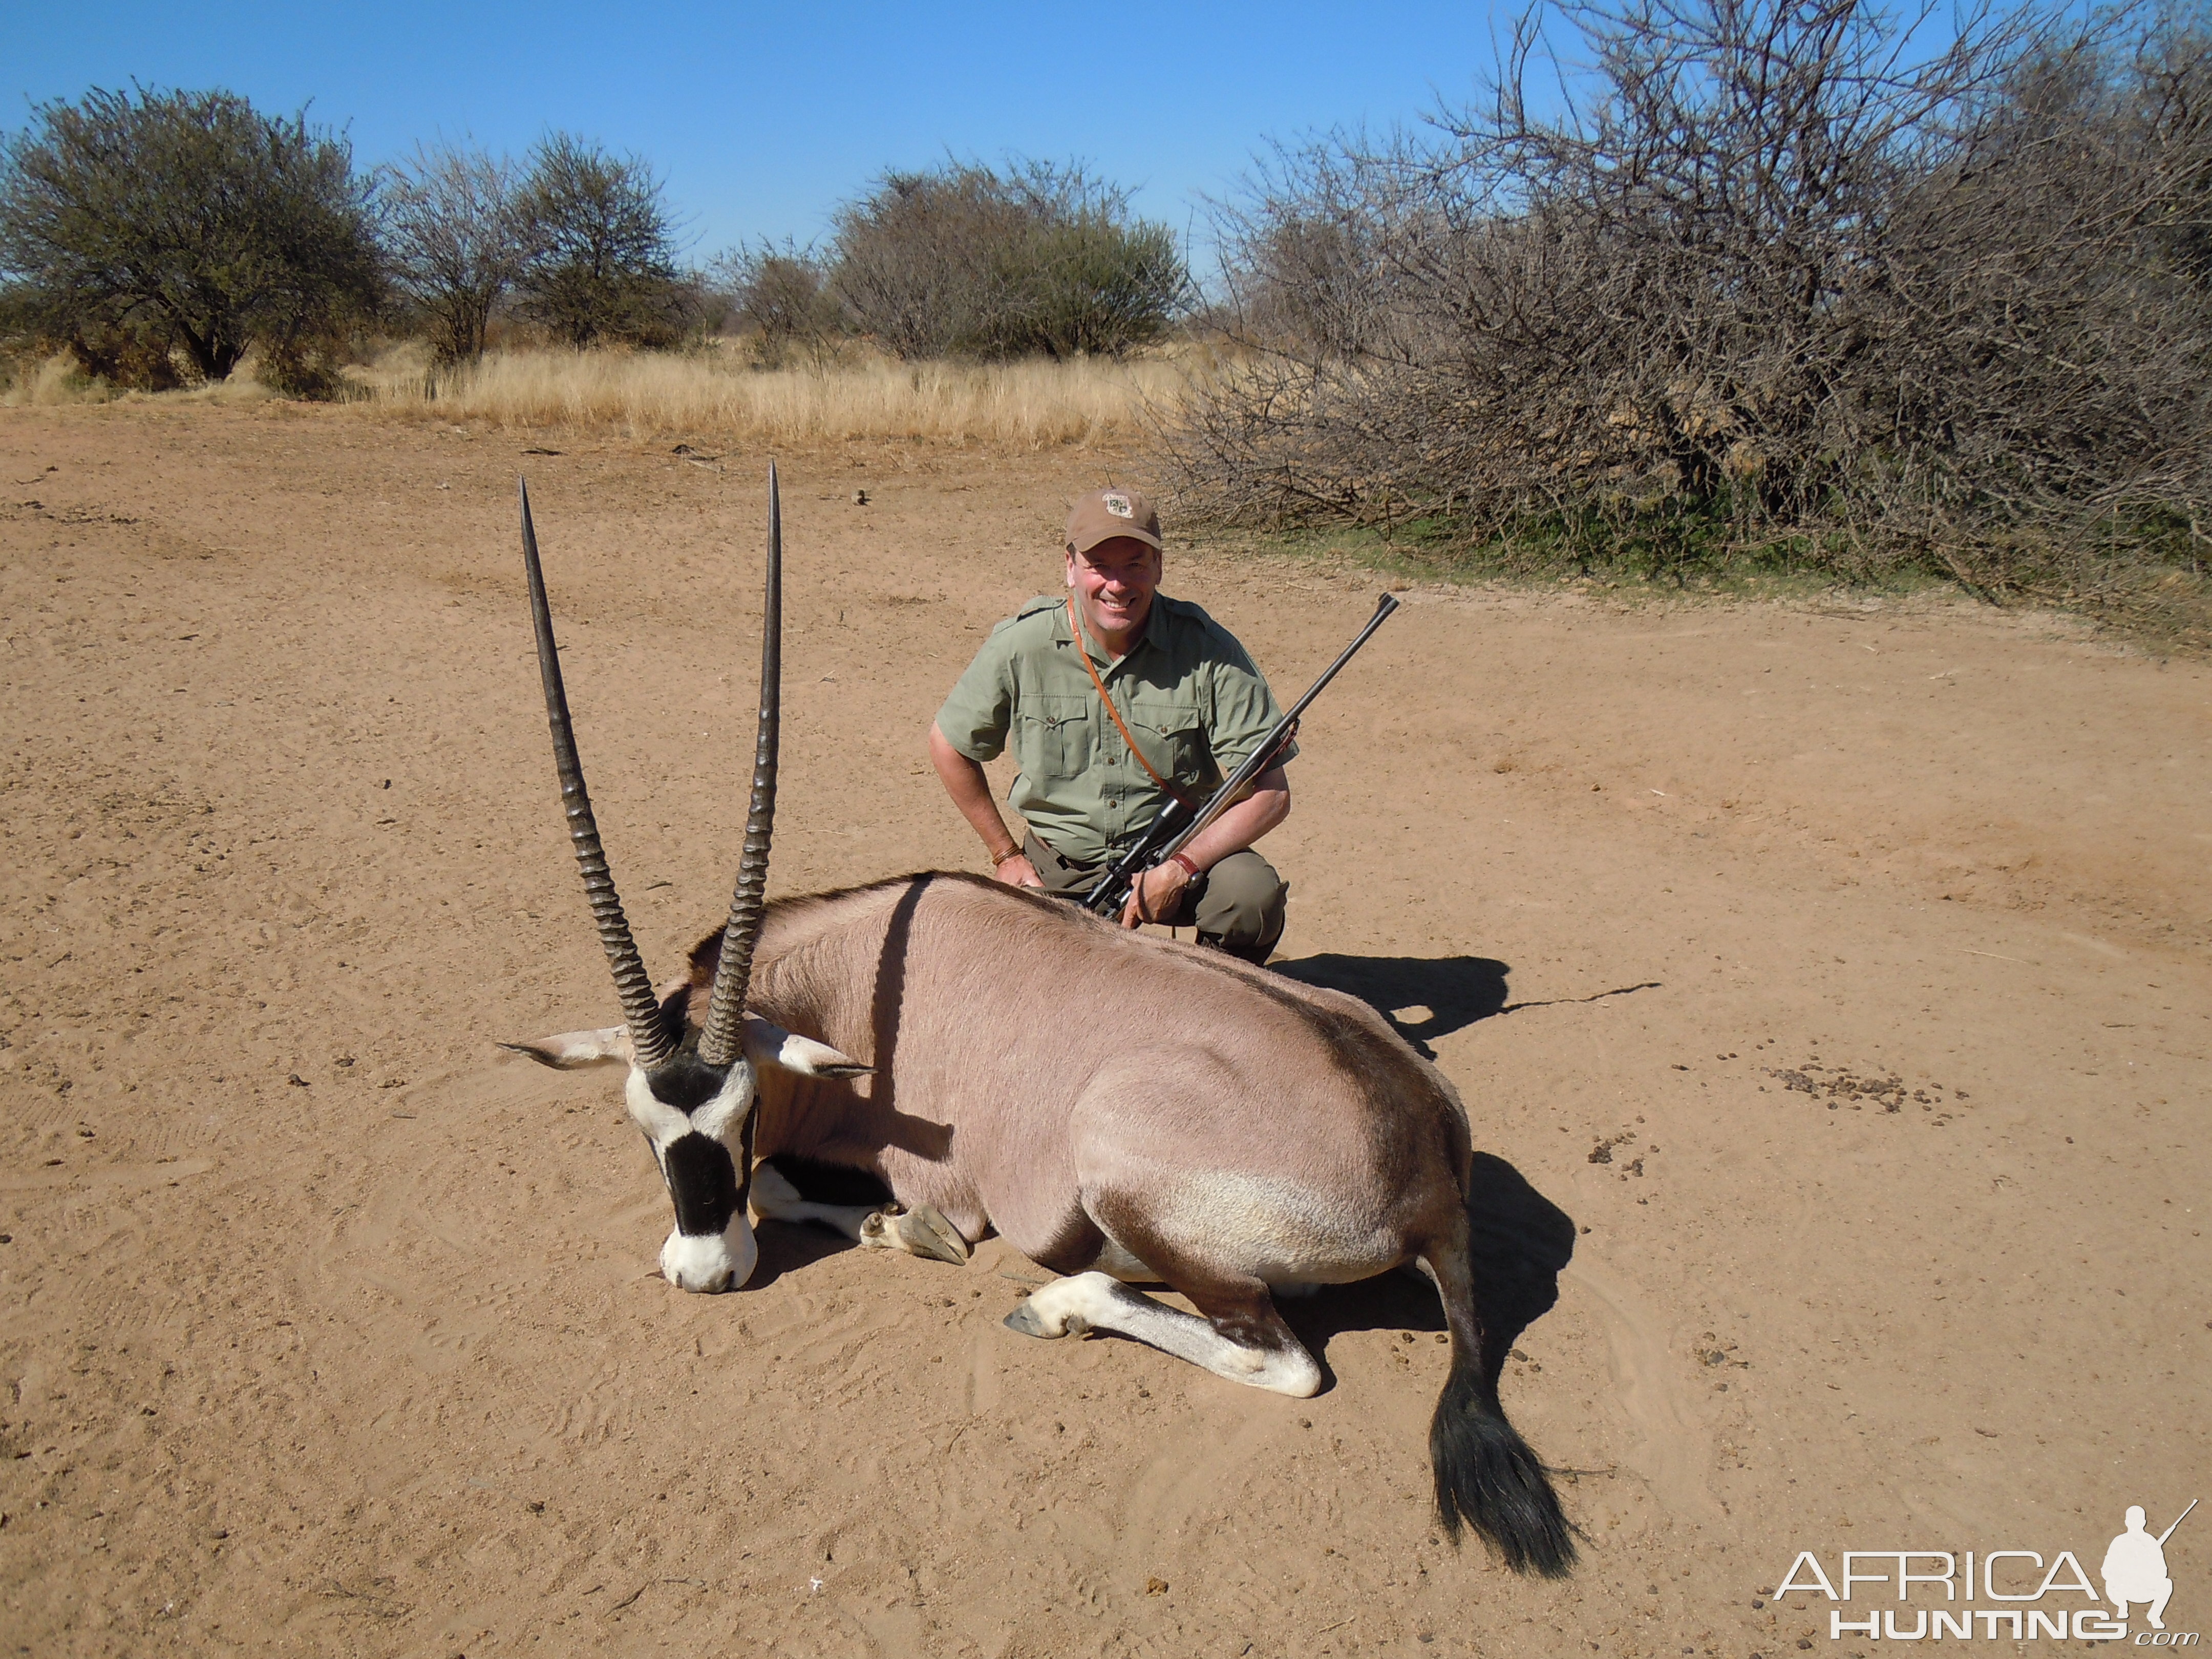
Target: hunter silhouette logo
{"type": "Point", "coordinates": [2031, 1593]}
{"type": "Point", "coordinates": [2134, 1567]}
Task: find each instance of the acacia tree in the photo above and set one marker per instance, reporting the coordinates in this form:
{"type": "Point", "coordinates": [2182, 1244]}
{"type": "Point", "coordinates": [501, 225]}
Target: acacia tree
{"type": "Point", "coordinates": [968, 261]}
{"type": "Point", "coordinates": [913, 261]}
{"type": "Point", "coordinates": [458, 239]}
{"type": "Point", "coordinates": [779, 296]}
{"type": "Point", "coordinates": [603, 261]}
{"type": "Point", "coordinates": [138, 222]}
{"type": "Point", "coordinates": [1094, 283]}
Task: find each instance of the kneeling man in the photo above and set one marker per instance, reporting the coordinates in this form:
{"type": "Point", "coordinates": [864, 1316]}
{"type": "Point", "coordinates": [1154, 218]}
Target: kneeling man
{"type": "Point", "coordinates": [1117, 699]}
{"type": "Point", "coordinates": [2135, 1569]}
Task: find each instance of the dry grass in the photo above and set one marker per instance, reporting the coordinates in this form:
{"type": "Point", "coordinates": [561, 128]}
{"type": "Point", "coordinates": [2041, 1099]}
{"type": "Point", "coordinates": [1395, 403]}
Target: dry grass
{"type": "Point", "coordinates": [46, 382]}
{"type": "Point", "coordinates": [1033, 404]}
{"type": "Point", "coordinates": [1029, 406]}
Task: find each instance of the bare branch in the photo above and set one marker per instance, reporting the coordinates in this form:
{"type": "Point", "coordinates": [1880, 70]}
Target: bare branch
{"type": "Point", "coordinates": [1797, 283]}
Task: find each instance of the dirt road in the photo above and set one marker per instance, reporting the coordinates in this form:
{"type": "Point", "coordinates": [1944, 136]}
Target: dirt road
{"type": "Point", "coordinates": [1846, 972]}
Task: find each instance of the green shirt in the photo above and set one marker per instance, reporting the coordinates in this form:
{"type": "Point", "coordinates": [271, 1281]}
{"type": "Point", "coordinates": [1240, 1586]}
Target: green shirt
{"type": "Point", "coordinates": [1187, 692]}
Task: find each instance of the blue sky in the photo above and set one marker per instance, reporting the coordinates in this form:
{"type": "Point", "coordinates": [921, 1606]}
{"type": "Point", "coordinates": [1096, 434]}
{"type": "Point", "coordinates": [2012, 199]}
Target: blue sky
{"type": "Point", "coordinates": [761, 117]}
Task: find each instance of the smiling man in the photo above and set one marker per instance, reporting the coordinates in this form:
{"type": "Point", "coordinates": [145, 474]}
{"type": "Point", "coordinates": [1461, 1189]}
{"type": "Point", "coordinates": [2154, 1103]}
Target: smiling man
{"type": "Point", "coordinates": [1115, 699]}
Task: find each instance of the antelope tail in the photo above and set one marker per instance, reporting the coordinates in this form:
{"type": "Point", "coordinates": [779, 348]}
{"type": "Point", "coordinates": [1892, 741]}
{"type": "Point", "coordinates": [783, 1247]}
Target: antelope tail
{"type": "Point", "coordinates": [1488, 1478]}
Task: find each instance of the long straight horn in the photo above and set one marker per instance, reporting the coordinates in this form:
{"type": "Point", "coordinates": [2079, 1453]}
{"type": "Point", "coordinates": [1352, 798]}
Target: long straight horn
{"type": "Point", "coordinates": [718, 1043]}
{"type": "Point", "coordinates": [648, 1035]}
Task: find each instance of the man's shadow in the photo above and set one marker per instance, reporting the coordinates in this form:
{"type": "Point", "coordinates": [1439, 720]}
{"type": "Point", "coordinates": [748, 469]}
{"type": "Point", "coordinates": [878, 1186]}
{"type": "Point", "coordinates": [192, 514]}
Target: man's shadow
{"type": "Point", "coordinates": [1423, 998]}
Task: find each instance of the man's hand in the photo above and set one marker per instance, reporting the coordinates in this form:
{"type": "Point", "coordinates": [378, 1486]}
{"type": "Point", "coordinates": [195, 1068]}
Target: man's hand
{"type": "Point", "coordinates": [1155, 893]}
{"type": "Point", "coordinates": [1158, 893]}
{"type": "Point", "coordinates": [1018, 872]}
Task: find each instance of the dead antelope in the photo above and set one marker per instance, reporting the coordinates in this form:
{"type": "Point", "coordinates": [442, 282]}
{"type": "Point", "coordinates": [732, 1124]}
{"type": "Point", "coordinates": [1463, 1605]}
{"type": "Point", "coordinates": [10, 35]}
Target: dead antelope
{"type": "Point", "coordinates": [1118, 1108]}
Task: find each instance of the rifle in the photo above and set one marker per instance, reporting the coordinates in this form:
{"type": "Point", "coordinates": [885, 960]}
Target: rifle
{"type": "Point", "coordinates": [1177, 823]}
{"type": "Point", "coordinates": [2168, 1532]}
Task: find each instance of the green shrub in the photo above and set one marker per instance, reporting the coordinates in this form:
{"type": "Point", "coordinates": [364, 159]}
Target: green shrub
{"type": "Point", "coordinates": [147, 226]}
{"type": "Point", "coordinates": [602, 265]}
{"type": "Point", "coordinates": [970, 261]}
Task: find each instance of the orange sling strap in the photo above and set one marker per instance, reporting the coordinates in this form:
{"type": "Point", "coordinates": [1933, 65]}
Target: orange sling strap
{"type": "Point", "coordinates": [1188, 803]}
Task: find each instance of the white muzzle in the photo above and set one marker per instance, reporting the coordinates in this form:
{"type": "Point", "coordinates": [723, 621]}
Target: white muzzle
{"type": "Point", "coordinates": [711, 1261]}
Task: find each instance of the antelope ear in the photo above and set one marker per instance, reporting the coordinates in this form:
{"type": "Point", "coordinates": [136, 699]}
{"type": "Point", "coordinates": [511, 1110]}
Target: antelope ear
{"type": "Point", "coordinates": [769, 1044]}
{"type": "Point", "coordinates": [570, 1049]}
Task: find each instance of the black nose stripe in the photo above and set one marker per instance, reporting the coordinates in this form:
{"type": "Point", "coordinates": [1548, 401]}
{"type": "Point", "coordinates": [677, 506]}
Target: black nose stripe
{"type": "Point", "coordinates": [704, 1181]}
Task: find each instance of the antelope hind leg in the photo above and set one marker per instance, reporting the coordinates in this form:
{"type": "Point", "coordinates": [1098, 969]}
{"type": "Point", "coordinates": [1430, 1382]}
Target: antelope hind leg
{"type": "Point", "coordinates": [1263, 1353]}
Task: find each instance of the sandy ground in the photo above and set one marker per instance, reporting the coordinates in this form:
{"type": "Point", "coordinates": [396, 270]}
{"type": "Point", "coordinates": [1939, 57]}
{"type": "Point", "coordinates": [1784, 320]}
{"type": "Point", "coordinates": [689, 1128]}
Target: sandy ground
{"type": "Point", "coordinates": [1846, 972]}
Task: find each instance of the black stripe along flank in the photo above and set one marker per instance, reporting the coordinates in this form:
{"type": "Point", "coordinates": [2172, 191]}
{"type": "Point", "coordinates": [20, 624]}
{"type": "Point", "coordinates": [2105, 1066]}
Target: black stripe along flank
{"type": "Point", "coordinates": [704, 1181]}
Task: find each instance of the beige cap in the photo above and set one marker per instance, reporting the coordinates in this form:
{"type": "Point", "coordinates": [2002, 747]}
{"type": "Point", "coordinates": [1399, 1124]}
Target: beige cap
{"type": "Point", "coordinates": [1105, 513]}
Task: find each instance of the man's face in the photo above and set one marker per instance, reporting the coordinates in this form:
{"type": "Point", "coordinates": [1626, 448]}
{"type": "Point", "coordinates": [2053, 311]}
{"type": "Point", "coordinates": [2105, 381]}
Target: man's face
{"type": "Point", "coordinates": [1114, 583]}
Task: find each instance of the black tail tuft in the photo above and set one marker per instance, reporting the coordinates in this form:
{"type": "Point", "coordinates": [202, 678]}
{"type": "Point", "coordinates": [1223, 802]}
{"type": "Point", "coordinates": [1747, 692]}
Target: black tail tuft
{"type": "Point", "coordinates": [1488, 1478]}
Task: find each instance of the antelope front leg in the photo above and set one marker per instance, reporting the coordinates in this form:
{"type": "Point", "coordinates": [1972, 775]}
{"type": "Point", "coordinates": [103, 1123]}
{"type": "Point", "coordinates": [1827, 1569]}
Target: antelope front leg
{"type": "Point", "coordinates": [921, 1230]}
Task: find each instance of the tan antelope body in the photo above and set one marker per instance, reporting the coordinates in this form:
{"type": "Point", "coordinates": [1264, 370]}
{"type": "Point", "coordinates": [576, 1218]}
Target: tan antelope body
{"type": "Point", "coordinates": [1099, 1098]}
{"type": "Point", "coordinates": [1118, 1108]}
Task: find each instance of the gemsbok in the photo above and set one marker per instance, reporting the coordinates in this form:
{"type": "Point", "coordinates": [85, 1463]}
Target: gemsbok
{"type": "Point", "coordinates": [1119, 1108]}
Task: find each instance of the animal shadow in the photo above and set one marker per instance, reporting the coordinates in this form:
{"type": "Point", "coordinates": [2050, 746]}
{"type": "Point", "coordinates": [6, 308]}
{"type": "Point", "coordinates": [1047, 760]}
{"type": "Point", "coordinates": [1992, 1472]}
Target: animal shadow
{"type": "Point", "coordinates": [787, 1246]}
{"type": "Point", "coordinates": [790, 1246]}
{"type": "Point", "coordinates": [1519, 1241]}
{"type": "Point", "coordinates": [1442, 993]}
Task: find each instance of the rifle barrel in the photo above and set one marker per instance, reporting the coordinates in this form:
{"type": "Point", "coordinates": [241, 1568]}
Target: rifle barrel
{"type": "Point", "coordinates": [2177, 1520]}
{"type": "Point", "coordinates": [1264, 756]}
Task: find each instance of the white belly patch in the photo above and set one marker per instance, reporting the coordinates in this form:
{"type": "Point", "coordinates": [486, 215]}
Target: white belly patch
{"type": "Point", "coordinates": [1279, 1231]}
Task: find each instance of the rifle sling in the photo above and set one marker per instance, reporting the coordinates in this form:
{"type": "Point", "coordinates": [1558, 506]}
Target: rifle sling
{"type": "Point", "coordinates": [1188, 803]}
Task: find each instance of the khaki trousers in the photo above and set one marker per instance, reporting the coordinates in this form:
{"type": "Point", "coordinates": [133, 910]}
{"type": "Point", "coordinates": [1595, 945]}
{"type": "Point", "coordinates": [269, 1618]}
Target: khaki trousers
{"type": "Point", "coordinates": [1236, 906]}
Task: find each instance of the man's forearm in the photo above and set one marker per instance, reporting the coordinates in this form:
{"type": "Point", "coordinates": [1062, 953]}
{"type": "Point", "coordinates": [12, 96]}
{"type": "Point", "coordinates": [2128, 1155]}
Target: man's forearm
{"type": "Point", "coordinates": [963, 780]}
{"type": "Point", "coordinates": [1242, 824]}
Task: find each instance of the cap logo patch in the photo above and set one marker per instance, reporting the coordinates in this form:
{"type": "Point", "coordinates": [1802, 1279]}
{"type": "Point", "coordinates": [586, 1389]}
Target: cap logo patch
{"type": "Point", "coordinates": [1117, 505]}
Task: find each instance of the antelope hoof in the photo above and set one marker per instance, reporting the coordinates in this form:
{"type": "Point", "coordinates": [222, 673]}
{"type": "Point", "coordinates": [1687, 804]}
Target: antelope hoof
{"type": "Point", "coordinates": [924, 1231]}
{"type": "Point", "coordinates": [1032, 1319]}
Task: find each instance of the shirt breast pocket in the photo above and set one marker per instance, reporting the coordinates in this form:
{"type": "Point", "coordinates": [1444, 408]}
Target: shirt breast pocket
{"type": "Point", "coordinates": [1174, 741]}
{"type": "Point", "coordinates": [1053, 741]}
